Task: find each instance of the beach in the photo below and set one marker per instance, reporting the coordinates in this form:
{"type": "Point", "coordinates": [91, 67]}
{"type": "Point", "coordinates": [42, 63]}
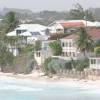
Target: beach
{"type": "Point", "coordinates": [39, 78]}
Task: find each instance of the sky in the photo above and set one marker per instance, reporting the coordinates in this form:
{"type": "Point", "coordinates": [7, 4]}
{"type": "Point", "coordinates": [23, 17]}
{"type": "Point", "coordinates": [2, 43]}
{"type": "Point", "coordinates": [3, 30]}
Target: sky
{"type": "Point", "coordinates": [39, 5]}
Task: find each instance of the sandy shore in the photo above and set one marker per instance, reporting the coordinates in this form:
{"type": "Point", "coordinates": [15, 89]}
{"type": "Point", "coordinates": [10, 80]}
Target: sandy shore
{"type": "Point", "coordinates": [38, 78]}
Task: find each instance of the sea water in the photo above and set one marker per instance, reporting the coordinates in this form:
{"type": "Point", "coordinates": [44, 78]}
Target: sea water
{"type": "Point", "coordinates": [12, 89]}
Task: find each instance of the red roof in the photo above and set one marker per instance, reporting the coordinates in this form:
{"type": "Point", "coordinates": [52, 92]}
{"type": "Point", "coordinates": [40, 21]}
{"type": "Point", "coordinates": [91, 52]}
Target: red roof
{"type": "Point", "coordinates": [94, 33]}
{"type": "Point", "coordinates": [72, 24]}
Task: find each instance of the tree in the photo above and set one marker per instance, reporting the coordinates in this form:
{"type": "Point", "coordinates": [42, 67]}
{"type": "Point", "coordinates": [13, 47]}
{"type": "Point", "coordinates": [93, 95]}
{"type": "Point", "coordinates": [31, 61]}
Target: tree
{"type": "Point", "coordinates": [79, 13]}
{"type": "Point", "coordinates": [56, 47]}
{"type": "Point", "coordinates": [82, 64]}
{"type": "Point", "coordinates": [97, 51]}
{"type": "Point", "coordinates": [10, 22]}
{"type": "Point", "coordinates": [37, 45]}
{"type": "Point", "coordinates": [6, 58]}
{"type": "Point", "coordinates": [55, 65]}
{"type": "Point", "coordinates": [84, 41]}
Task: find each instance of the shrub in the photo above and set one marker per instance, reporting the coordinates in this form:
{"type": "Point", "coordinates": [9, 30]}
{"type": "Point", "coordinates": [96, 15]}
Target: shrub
{"type": "Point", "coordinates": [56, 47]}
{"type": "Point", "coordinates": [54, 65]}
{"type": "Point", "coordinates": [97, 51]}
{"type": "Point", "coordinates": [82, 64]}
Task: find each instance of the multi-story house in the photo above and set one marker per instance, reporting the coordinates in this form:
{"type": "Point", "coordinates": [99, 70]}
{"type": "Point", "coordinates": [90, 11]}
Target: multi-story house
{"type": "Point", "coordinates": [29, 33]}
{"type": "Point", "coordinates": [44, 53]}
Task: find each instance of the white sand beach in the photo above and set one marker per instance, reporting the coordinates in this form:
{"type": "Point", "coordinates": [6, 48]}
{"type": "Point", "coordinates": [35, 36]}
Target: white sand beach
{"type": "Point", "coordinates": [38, 78]}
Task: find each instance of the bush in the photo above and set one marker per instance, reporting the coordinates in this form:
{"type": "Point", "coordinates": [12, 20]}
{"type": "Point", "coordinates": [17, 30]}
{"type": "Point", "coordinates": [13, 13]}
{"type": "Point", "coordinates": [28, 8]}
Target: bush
{"type": "Point", "coordinates": [56, 47]}
{"type": "Point", "coordinates": [6, 58]}
{"type": "Point", "coordinates": [82, 64]}
{"type": "Point", "coordinates": [54, 65]}
{"type": "Point", "coordinates": [97, 51]}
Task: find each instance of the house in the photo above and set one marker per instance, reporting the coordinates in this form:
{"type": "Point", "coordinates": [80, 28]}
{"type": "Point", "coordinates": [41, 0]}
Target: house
{"type": "Point", "coordinates": [94, 63]}
{"type": "Point", "coordinates": [33, 32]}
{"type": "Point", "coordinates": [29, 33]}
{"type": "Point", "coordinates": [69, 26]}
{"type": "Point", "coordinates": [44, 53]}
{"type": "Point", "coordinates": [69, 47]}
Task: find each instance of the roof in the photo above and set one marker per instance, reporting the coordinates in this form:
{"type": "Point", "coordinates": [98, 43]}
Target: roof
{"type": "Point", "coordinates": [13, 33]}
{"type": "Point", "coordinates": [31, 27]}
{"type": "Point", "coordinates": [94, 33]}
{"type": "Point", "coordinates": [72, 24]}
{"type": "Point", "coordinates": [76, 23]}
{"type": "Point", "coordinates": [72, 36]}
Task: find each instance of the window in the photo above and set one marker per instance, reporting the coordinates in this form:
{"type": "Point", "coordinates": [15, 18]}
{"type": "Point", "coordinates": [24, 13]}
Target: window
{"type": "Point", "coordinates": [38, 54]}
{"type": "Point", "coordinates": [93, 61]}
{"type": "Point", "coordinates": [74, 54]}
{"type": "Point", "coordinates": [62, 53]}
{"type": "Point", "coordinates": [45, 46]}
{"type": "Point", "coordinates": [63, 44]}
{"type": "Point", "coordinates": [18, 31]}
{"type": "Point", "coordinates": [66, 54]}
{"type": "Point", "coordinates": [70, 44]}
{"type": "Point", "coordinates": [35, 33]}
{"type": "Point", "coordinates": [58, 30]}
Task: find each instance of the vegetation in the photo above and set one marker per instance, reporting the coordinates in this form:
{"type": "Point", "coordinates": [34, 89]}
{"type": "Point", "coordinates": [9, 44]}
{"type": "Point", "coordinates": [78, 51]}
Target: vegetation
{"type": "Point", "coordinates": [82, 64]}
{"type": "Point", "coordinates": [84, 42]}
{"type": "Point", "coordinates": [37, 45]}
{"type": "Point", "coordinates": [54, 65]}
{"type": "Point", "coordinates": [97, 51]}
{"type": "Point", "coordinates": [79, 13]}
{"type": "Point", "coordinates": [56, 47]}
{"type": "Point", "coordinates": [6, 58]}
{"type": "Point", "coordinates": [10, 22]}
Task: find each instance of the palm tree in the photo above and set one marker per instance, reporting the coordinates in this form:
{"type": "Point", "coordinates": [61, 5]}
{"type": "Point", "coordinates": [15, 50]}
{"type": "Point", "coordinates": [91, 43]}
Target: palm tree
{"type": "Point", "coordinates": [84, 41]}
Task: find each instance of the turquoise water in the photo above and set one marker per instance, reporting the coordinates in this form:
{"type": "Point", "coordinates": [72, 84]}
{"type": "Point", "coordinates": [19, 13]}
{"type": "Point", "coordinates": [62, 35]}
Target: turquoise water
{"type": "Point", "coordinates": [24, 90]}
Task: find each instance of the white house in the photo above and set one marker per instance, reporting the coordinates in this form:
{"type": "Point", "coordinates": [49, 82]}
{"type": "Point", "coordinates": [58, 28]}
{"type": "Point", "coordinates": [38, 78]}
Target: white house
{"type": "Point", "coordinates": [44, 53]}
{"type": "Point", "coordinates": [30, 33]}
{"type": "Point", "coordinates": [33, 32]}
{"type": "Point", "coordinates": [69, 48]}
{"type": "Point", "coordinates": [94, 63]}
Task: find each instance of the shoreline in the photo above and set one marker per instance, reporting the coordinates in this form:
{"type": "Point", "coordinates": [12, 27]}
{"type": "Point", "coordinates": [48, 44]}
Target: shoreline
{"type": "Point", "coordinates": [36, 78]}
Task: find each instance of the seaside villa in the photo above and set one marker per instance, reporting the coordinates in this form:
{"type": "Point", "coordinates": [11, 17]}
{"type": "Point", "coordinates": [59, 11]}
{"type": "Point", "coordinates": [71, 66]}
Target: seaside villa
{"type": "Point", "coordinates": [69, 48]}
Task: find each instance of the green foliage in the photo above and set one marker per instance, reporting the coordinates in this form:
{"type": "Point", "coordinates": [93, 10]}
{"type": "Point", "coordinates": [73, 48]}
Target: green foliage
{"type": "Point", "coordinates": [97, 51]}
{"type": "Point", "coordinates": [28, 48]}
{"type": "Point", "coordinates": [84, 41]}
{"type": "Point", "coordinates": [54, 65]}
{"type": "Point", "coordinates": [10, 22]}
{"type": "Point", "coordinates": [56, 47]}
{"type": "Point", "coordinates": [97, 44]}
{"type": "Point", "coordinates": [79, 13]}
{"type": "Point", "coordinates": [37, 45]}
{"type": "Point", "coordinates": [31, 63]}
{"type": "Point", "coordinates": [82, 64]}
{"type": "Point", "coordinates": [6, 58]}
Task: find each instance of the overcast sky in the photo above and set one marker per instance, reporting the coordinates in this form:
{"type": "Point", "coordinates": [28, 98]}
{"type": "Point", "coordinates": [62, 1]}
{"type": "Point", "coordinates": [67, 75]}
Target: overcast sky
{"type": "Point", "coordinates": [39, 5]}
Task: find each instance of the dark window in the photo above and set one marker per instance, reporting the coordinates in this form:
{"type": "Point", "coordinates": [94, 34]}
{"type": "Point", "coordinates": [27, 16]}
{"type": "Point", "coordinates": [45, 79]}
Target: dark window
{"type": "Point", "coordinates": [93, 61]}
{"type": "Point", "coordinates": [35, 33]}
{"type": "Point", "coordinates": [63, 44]}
